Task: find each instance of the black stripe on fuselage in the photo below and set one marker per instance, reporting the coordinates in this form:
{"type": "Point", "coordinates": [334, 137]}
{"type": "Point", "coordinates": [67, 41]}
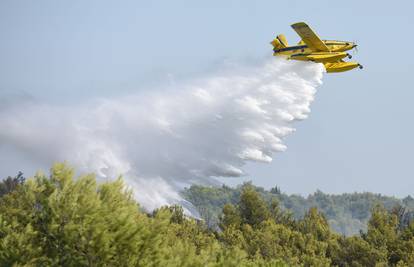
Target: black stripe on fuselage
{"type": "Point", "coordinates": [290, 48]}
{"type": "Point", "coordinates": [298, 47]}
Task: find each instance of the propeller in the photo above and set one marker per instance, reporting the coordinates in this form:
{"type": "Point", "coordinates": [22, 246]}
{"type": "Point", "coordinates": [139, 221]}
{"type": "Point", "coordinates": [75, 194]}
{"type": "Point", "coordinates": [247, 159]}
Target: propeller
{"type": "Point", "coordinates": [356, 47]}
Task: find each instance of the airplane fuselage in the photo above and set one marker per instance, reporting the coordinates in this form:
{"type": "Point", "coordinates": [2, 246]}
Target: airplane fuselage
{"type": "Point", "coordinates": [334, 46]}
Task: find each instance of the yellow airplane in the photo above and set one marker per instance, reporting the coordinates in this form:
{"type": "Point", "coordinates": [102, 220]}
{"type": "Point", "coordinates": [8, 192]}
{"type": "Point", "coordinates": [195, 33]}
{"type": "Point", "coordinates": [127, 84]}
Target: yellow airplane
{"type": "Point", "coordinates": [312, 48]}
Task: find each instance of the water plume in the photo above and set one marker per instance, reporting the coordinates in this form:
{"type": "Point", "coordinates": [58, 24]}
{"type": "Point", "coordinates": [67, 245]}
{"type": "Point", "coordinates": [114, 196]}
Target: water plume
{"type": "Point", "coordinates": [164, 139]}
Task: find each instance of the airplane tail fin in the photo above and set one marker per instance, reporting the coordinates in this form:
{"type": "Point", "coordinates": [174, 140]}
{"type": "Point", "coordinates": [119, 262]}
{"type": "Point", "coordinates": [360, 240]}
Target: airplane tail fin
{"type": "Point", "coordinates": [279, 42]}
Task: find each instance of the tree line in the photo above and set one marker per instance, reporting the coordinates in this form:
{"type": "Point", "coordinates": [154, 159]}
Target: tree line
{"type": "Point", "coordinates": [60, 220]}
{"type": "Point", "coordinates": [347, 214]}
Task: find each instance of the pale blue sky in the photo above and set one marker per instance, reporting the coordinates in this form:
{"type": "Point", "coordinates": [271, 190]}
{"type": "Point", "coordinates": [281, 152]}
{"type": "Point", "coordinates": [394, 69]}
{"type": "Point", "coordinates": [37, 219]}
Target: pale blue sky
{"type": "Point", "coordinates": [359, 136]}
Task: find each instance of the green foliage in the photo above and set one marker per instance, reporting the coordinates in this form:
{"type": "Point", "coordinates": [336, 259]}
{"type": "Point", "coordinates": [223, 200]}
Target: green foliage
{"type": "Point", "coordinates": [70, 222]}
{"type": "Point", "coordinates": [265, 233]}
{"type": "Point", "coordinates": [386, 235]}
{"type": "Point", "coordinates": [252, 208]}
{"type": "Point", "coordinates": [315, 224]}
{"type": "Point", "coordinates": [230, 216]}
{"type": "Point", "coordinates": [11, 183]}
{"type": "Point", "coordinates": [63, 221]}
{"type": "Point", "coordinates": [347, 214]}
{"type": "Point", "coordinates": [355, 251]}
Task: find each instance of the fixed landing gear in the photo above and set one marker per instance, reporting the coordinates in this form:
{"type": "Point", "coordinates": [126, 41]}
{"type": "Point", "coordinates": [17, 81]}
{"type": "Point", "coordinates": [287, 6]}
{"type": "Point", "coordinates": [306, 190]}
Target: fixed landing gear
{"type": "Point", "coordinates": [349, 56]}
{"type": "Point", "coordinates": [360, 66]}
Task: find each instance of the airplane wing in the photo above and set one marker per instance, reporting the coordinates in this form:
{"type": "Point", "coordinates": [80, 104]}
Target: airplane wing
{"type": "Point", "coordinates": [309, 37]}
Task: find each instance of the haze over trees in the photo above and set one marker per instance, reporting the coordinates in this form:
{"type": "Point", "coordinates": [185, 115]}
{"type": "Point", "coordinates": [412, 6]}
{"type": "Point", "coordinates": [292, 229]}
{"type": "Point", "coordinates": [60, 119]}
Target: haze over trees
{"type": "Point", "coordinates": [60, 220]}
{"type": "Point", "coordinates": [347, 214]}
